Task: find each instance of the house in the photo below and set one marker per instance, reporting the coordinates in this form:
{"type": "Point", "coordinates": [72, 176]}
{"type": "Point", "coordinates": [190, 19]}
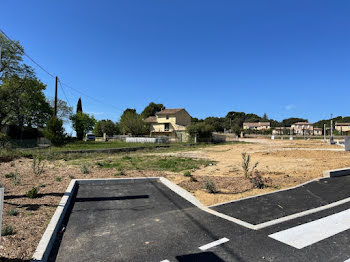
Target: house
{"type": "Point", "coordinates": [170, 122]}
{"type": "Point", "coordinates": [317, 131]}
{"type": "Point", "coordinates": [303, 128]}
{"type": "Point", "coordinates": [342, 127]}
{"type": "Point", "coordinates": [281, 131]}
{"type": "Point", "coordinates": [256, 126]}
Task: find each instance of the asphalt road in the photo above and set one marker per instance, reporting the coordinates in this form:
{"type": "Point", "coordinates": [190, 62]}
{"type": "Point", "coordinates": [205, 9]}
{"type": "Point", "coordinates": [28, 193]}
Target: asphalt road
{"type": "Point", "coordinates": [146, 221]}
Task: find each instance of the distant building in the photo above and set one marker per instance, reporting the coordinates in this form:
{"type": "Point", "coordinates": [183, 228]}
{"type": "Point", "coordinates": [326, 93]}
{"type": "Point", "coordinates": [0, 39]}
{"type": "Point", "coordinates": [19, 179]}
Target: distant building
{"type": "Point", "coordinates": [342, 127]}
{"type": "Point", "coordinates": [170, 122]}
{"type": "Point", "coordinates": [317, 131]}
{"type": "Point", "coordinates": [303, 128]}
{"type": "Point", "coordinates": [256, 126]}
{"type": "Point", "coordinates": [281, 131]}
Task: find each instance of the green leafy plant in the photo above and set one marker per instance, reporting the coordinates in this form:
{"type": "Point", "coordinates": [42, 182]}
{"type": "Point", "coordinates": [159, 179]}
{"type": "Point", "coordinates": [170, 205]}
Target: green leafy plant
{"type": "Point", "coordinates": [187, 174]}
{"type": "Point", "coordinates": [33, 193]}
{"type": "Point", "coordinates": [16, 178]}
{"type": "Point", "coordinates": [10, 175]}
{"type": "Point", "coordinates": [12, 212]}
{"type": "Point", "coordinates": [210, 186]}
{"type": "Point", "coordinates": [58, 179]}
{"type": "Point", "coordinates": [7, 231]}
{"type": "Point", "coordinates": [38, 165]}
{"type": "Point", "coordinates": [246, 165]}
{"type": "Point", "coordinates": [42, 185]}
{"type": "Point", "coordinates": [85, 168]}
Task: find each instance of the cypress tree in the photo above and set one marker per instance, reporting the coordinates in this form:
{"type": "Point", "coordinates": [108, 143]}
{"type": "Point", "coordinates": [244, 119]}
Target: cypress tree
{"type": "Point", "coordinates": [79, 106]}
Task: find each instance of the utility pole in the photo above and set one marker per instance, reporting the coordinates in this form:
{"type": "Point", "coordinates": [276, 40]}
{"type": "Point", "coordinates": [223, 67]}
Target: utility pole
{"type": "Point", "coordinates": [331, 139]}
{"type": "Point", "coordinates": [55, 112]}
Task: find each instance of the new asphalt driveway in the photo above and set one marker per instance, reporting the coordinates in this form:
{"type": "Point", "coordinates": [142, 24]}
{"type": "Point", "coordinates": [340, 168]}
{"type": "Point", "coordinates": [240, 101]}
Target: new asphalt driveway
{"type": "Point", "coordinates": [147, 221]}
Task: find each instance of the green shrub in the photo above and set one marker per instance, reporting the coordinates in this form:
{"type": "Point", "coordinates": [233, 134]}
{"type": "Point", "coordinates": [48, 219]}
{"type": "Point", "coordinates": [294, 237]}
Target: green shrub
{"type": "Point", "coordinates": [7, 231]}
{"type": "Point", "coordinates": [247, 169]}
{"type": "Point", "coordinates": [54, 131]}
{"type": "Point", "coordinates": [9, 175]}
{"type": "Point", "coordinates": [42, 185]}
{"type": "Point", "coordinates": [16, 179]}
{"type": "Point", "coordinates": [12, 212]}
{"type": "Point", "coordinates": [85, 168]}
{"type": "Point", "coordinates": [4, 141]}
{"type": "Point", "coordinates": [38, 165]}
{"type": "Point", "coordinates": [187, 174]}
{"type": "Point", "coordinates": [33, 193]}
{"type": "Point", "coordinates": [59, 179]}
{"type": "Point", "coordinates": [210, 186]}
{"type": "Point", "coordinates": [126, 157]}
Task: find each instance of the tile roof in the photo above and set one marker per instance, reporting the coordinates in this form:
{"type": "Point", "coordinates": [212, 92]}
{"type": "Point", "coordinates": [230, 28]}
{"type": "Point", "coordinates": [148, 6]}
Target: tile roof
{"type": "Point", "coordinates": [169, 111]}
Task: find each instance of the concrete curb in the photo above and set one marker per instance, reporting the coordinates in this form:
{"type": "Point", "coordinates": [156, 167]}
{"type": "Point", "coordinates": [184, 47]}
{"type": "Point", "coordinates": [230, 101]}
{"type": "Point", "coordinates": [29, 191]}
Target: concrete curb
{"type": "Point", "coordinates": [337, 172]}
{"type": "Point", "coordinates": [44, 247]}
{"type": "Point", "coordinates": [111, 150]}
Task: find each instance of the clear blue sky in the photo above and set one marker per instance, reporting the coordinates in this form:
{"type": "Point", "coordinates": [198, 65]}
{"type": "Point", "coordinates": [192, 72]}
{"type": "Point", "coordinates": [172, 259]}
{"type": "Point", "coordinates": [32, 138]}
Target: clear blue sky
{"type": "Point", "coordinates": [285, 58]}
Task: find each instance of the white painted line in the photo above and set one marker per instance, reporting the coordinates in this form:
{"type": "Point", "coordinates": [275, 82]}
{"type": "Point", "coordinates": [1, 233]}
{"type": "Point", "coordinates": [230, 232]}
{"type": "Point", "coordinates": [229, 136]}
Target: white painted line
{"type": "Point", "coordinates": [315, 231]}
{"type": "Point", "coordinates": [348, 260]}
{"type": "Point", "coordinates": [166, 260]}
{"type": "Point", "coordinates": [215, 243]}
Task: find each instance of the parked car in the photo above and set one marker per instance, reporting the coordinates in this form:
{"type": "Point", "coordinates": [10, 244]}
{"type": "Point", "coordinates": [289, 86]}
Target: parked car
{"type": "Point", "coordinates": [90, 137]}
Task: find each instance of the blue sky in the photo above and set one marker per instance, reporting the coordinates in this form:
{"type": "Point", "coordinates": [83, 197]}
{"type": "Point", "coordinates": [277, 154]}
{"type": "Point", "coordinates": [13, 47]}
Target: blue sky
{"type": "Point", "coordinates": [285, 58]}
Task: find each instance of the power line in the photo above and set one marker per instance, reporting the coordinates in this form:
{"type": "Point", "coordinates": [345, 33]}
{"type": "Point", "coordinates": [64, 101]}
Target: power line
{"type": "Point", "coordinates": [31, 59]}
{"type": "Point", "coordinates": [59, 81]}
{"type": "Point", "coordinates": [46, 71]}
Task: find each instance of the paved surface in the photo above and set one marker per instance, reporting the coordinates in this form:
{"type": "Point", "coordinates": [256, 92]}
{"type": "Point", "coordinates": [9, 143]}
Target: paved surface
{"type": "Point", "coordinates": [146, 221]}
{"type": "Point", "coordinates": [273, 206]}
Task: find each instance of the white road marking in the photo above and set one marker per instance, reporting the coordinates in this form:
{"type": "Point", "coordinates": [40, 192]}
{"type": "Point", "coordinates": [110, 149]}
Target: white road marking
{"type": "Point", "coordinates": [348, 260]}
{"type": "Point", "coordinates": [315, 231]}
{"type": "Point", "coordinates": [213, 244]}
{"type": "Point", "coordinates": [166, 260]}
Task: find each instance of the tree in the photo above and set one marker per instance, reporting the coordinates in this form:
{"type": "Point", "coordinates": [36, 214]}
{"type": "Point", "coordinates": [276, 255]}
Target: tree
{"type": "Point", "coordinates": [12, 61]}
{"type": "Point", "coordinates": [265, 117]}
{"type": "Point", "coordinates": [105, 126]}
{"type": "Point", "coordinates": [54, 131]}
{"type": "Point", "coordinates": [25, 102]}
{"type": "Point", "coordinates": [63, 110]}
{"type": "Point", "coordinates": [131, 122]}
{"type": "Point", "coordinates": [151, 110]}
{"type": "Point", "coordinates": [82, 124]}
{"type": "Point", "coordinates": [292, 120]}
{"type": "Point", "coordinates": [201, 130]}
{"type": "Point", "coordinates": [79, 106]}
{"type": "Point", "coordinates": [218, 123]}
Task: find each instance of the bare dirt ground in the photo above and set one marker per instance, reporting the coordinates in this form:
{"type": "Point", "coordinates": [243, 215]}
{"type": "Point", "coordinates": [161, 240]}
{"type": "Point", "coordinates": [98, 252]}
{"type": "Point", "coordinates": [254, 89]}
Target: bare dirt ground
{"type": "Point", "coordinates": [286, 163]}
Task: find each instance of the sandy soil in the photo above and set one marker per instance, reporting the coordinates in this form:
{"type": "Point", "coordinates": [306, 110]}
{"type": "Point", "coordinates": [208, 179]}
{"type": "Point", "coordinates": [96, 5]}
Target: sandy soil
{"type": "Point", "coordinates": [286, 163]}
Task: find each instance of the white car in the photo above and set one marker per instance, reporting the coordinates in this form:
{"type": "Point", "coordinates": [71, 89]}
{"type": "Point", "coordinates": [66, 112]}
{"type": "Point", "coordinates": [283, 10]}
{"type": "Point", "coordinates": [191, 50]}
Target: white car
{"type": "Point", "coordinates": [90, 137]}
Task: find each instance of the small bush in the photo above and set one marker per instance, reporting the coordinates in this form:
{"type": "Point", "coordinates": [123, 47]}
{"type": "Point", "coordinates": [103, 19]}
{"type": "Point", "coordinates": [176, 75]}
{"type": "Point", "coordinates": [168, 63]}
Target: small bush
{"type": "Point", "coordinates": [9, 175]}
{"type": "Point", "coordinates": [247, 169]}
{"type": "Point", "coordinates": [33, 193]}
{"type": "Point", "coordinates": [126, 158]}
{"type": "Point", "coordinates": [210, 186]}
{"type": "Point", "coordinates": [38, 165]}
{"type": "Point", "coordinates": [258, 181]}
{"type": "Point", "coordinates": [16, 179]}
{"type": "Point", "coordinates": [7, 231]}
{"type": "Point", "coordinates": [187, 174]}
{"type": "Point", "coordinates": [42, 185]}
{"type": "Point", "coordinates": [85, 168]}
{"type": "Point", "coordinates": [59, 179]}
{"type": "Point", "coordinates": [12, 212]}
{"type": "Point", "coordinates": [54, 131]}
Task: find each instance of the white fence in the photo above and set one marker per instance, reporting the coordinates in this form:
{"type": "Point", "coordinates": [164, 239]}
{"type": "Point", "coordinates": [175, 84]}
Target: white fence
{"type": "Point", "coordinates": [145, 140]}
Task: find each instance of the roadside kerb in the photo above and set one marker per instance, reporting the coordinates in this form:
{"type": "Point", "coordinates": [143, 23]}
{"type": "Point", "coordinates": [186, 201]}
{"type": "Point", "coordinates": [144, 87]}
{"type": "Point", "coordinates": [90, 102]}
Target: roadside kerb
{"type": "Point", "coordinates": [337, 172]}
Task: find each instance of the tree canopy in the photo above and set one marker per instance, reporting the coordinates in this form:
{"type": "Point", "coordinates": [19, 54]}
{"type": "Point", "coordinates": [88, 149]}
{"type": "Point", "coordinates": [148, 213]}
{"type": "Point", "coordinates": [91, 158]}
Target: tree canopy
{"type": "Point", "coordinates": [131, 122]}
{"type": "Point", "coordinates": [151, 110]}
{"type": "Point", "coordinates": [82, 123]}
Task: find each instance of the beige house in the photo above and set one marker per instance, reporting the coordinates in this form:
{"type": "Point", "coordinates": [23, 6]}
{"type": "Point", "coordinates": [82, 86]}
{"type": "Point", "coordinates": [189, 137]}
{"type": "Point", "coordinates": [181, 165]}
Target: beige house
{"type": "Point", "coordinates": [170, 122]}
{"type": "Point", "coordinates": [317, 131]}
{"type": "Point", "coordinates": [303, 128]}
{"type": "Point", "coordinates": [342, 127]}
{"type": "Point", "coordinates": [281, 131]}
{"type": "Point", "coordinates": [256, 126]}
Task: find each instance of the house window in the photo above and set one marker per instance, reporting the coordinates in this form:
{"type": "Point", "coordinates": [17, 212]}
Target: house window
{"type": "Point", "coordinates": [166, 127]}
{"type": "Point", "coordinates": [167, 117]}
